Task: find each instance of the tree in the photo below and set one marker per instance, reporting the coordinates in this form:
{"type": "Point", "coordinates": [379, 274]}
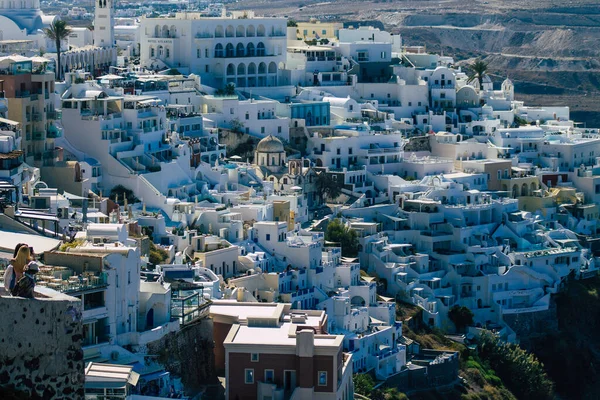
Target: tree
{"type": "Point", "coordinates": [120, 192]}
{"type": "Point", "coordinates": [520, 370]}
{"type": "Point", "coordinates": [347, 238]}
{"type": "Point", "coordinates": [157, 255]}
{"type": "Point", "coordinates": [461, 316]}
{"type": "Point", "coordinates": [363, 384]}
{"type": "Point", "coordinates": [478, 71]}
{"type": "Point", "coordinates": [292, 23]}
{"type": "Point", "coordinates": [58, 31]}
{"type": "Point", "coordinates": [327, 186]}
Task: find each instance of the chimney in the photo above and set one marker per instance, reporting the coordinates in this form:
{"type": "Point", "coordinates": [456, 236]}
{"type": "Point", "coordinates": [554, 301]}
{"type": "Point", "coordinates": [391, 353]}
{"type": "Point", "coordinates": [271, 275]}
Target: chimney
{"type": "Point", "coordinates": [305, 351]}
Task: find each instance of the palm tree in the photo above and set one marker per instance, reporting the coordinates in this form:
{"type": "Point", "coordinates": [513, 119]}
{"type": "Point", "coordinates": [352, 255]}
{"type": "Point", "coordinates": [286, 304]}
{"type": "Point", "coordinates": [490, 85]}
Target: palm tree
{"type": "Point", "coordinates": [478, 71]}
{"type": "Point", "coordinates": [58, 31]}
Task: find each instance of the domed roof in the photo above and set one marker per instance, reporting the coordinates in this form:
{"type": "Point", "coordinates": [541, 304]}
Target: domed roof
{"type": "Point", "coordinates": [270, 144]}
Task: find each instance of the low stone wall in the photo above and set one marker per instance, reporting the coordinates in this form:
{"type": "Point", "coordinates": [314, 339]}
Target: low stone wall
{"type": "Point", "coordinates": [188, 353]}
{"type": "Point", "coordinates": [40, 346]}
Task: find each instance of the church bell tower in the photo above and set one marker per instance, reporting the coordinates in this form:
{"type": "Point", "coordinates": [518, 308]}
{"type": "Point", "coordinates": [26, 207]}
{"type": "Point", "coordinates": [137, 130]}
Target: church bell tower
{"type": "Point", "coordinates": [104, 24]}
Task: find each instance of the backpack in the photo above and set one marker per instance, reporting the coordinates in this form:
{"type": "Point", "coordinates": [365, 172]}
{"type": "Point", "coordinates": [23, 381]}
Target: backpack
{"type": "Point", "coordinates": [24, 287]}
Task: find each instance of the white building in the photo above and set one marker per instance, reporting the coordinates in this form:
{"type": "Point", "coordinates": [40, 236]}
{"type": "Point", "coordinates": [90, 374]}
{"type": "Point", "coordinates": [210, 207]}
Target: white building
{"type": "Point", "coordinates": [242, 49]}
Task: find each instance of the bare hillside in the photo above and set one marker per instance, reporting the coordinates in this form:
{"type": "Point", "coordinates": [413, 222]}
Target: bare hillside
{"type": "Point", "coordinates": [551, 49]}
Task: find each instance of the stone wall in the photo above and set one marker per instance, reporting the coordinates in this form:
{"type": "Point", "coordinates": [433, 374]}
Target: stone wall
{"type": "Point", "coordinates": [40, 345]}
{"type": "Point", "coordinates": [418, 143]}
{"type": "Point", "coordinates": [188, 353]}
{"type": "Point", "coordinates": [238, 143]}
{"type": "Point", "coordinates": [532, 325]}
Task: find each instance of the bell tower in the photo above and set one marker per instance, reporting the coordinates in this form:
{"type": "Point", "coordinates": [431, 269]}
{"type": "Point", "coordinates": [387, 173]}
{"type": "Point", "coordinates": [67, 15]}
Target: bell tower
{"type": "Point", "coordinates": [104, 24]}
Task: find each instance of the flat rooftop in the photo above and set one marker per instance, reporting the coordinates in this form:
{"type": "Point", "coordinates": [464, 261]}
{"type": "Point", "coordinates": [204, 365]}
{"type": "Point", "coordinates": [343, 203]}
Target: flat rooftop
{"type": "Point", "coordinates": [283, 335]}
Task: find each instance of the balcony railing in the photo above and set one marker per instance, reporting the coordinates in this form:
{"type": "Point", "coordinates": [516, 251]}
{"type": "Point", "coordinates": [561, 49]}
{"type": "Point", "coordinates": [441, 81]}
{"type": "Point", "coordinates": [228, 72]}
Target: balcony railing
{"type": "Point", "coordinates": [36, 116]}
{"type": "Point", "coordinates": [53, 115]}
{"type": "Point", "coordinates": [22, 94]}
{"type": "Point", "coordinates": [79, 284]}
{"type": "Point", "coordinates": [38, 136]}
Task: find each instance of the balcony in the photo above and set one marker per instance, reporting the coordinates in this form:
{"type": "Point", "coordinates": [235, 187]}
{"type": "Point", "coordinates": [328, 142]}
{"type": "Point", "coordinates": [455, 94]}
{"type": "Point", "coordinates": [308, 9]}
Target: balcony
{"type": "Point", "coordinates": [36, 116]}
{"type": "Point", "coordinates": [22, 94]}
{"type": "Point", "coordinates": [53, 115]}
{"type": "Point", "coordinates": [54, 132]}
{"type": "Point", "coordinates": [77, 284]}
{"type": "Point", "coordinates": [38, 136]}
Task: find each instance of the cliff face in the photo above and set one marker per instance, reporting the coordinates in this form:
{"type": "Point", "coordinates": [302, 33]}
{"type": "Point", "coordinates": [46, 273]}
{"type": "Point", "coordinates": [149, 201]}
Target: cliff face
{"type": "Point", "coordinates": [40, 347]}
{"type": "Point", "coordinates": [188, 353]}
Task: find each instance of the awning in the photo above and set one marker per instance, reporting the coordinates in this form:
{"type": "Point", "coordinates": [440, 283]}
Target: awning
{"type": "Point", "coordinates": [8, 121]}
{"type": "Point", "coordinates": [151, 101]}
{"type": "Point", "coordinates": [109, 77]}
{"type": "Point", "coordinates": [71, 196]}
{"type": "Point", "coordinates": [96, 214]}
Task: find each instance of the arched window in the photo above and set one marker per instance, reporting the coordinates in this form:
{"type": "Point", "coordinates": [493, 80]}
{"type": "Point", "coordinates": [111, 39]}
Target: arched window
{"type": "Point", "coordinates": [260, 31]}
{"type": "Point", "coordinates": [219, 31]}
{"type": "Point", "coordinates": [240, 31]}
{"type": "Point", "coordinates": [156, 31]}
{"type": "Point", "coordinates": [229, 32]}
{"type": "Point", "coordinates": [250, 31]}
{"type": "Point", "coordinates": [165, 31]}
{"type": "Point", "coordinates": [239, 50]}
{"type": "Point", "coordinates": [241, 69]}
{"type": "Point", "coordinates": [230, 69]}
{"type": "Point", "coordinates": [151, 52]}
{"type": "Point", "coordinates": [251, 69]}
{"type": "Point", "coordinates": [272, 68]}
{"type": "Point", "coordinates": [262, 68]}
{"type": "Point", "coordinates": [260, 49]}
{"type": "Point", "coordinates": [168, 53]}
{"type": "Point", "coordinates": [229, 51]}
{"type": "Point", "coordinates": [250, 51]}
{"type": "Point", "coordinates": [219, 50]}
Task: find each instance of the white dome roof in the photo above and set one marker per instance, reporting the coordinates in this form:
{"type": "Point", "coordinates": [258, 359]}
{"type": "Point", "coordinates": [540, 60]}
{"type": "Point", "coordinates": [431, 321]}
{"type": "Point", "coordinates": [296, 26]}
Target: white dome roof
{"type": "Point", "coordinates": [270, 144]}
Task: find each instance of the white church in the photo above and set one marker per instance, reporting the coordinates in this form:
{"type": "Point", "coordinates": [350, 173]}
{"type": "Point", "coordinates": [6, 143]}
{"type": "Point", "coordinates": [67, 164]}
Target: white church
{"type": "Point", "coordinates": [22, 21]}
{"type": "Point", "coordinates": [22, 25]}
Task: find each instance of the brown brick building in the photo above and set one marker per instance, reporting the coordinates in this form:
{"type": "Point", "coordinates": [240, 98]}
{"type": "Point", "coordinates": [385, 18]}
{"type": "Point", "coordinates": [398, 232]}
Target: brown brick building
{"type": "Point", "coordinates": [272, 353]}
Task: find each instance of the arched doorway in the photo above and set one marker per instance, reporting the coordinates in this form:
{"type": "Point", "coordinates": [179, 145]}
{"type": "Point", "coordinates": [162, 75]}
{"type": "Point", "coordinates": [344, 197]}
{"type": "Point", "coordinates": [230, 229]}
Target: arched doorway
{"type": "Point", "coordinates": [150, 319]}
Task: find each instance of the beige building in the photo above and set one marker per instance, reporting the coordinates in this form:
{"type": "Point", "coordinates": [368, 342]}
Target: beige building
{"type": "Point", "coordinates": [29, 89]}
{"type": "Point", "coordinates": [318, 30]}
{"type": "Point", "coordinates": [216, 254]}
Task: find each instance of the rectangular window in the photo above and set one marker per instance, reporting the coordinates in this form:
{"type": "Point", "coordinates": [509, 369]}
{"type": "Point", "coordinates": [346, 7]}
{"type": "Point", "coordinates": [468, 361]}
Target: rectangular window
{"type": "Point", "coordinates": [206, 68]}
{"type": "Point", "coordinates": [322, 378]}
{"type": "Point", "coordinates": [206, 54]}
{"type": "Point", "coordinates": [249, 376]}
{"type": "Point", "coordinates": [268, 237]}
{"type": "Point", "coordinates": [254, 356]}
{"type": "Point", "coordinates": [197, 53]}
{"type": "Point", "coordinates": [269, 376]}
